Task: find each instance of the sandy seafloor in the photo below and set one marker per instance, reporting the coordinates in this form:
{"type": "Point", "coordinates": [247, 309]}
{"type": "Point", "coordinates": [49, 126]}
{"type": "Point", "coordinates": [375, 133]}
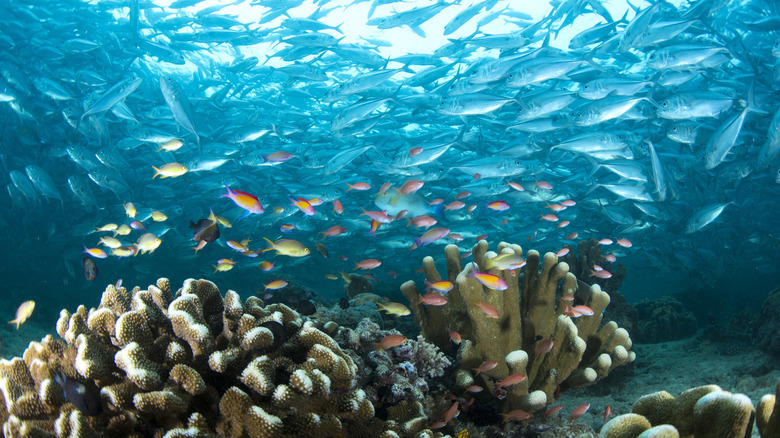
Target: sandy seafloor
{"type": "Point", "coordinates": [667, 366]}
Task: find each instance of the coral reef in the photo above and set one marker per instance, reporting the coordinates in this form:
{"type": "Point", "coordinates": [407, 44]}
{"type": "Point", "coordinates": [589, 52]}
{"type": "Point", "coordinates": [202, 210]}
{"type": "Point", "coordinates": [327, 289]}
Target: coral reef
{"type": "Point", "coordinates": [768, 415]}
{"type": "Point", "coordinates": [390, 376]}
{"type": "Point", "coordinates": [582, 350]}
{"type": "Point", "coordinates": [769, 324]}
{"type": "Point", "coordinates": [701, 412]}
{"type": "Point", "coordinates": [190, 363]}
{"type": "Point", "coordinates": [663, 319]}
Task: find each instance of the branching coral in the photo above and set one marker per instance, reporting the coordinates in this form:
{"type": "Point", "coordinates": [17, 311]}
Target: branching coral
{"type": "Point", "coordinates": [583, 351]}
{"type": "Point", "coordinates": [191, 363]}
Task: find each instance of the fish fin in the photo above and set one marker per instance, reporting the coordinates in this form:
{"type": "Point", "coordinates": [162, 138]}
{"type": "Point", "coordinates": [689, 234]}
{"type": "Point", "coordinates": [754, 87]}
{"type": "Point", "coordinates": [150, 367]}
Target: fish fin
{"type": "Point", "coordinates": [243, 215]}
{"type": "Point", "coordinates": [270, 243]}
{"type": "Point", "coordinates": [418, 242]}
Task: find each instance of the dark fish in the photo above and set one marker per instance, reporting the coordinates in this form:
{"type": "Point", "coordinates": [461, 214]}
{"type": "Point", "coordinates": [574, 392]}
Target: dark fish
{"type": "Point", "coordinates": [344, 303]}
{"type": "Point", "coordinates": [84, 398]}
{"type": "Point", "coordinates": [279, 332]}
{"type": "Point", "coordinates": [305, 307]}
{"type": "Point", "coordinates": [322, 249]}
{"type": "Point", "coordinates": [206, 229]}
{"type": "Point", "coordinates": [90, 268]}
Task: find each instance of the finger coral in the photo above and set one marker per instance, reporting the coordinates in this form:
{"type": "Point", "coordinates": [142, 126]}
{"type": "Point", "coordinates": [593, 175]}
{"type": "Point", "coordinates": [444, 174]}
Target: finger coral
{"type": "Point", "coordinates": [537, 333]}
{"type": "Point", "coordinates": [189, 363]}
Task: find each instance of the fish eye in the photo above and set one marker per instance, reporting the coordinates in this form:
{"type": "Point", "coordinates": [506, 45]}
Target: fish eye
{"type": "Point", "coordinates": [674, 128]}
{"type": "Point", "coordinates": [664, 104]}
{"type": "Point", "coordinates": [652, 56]}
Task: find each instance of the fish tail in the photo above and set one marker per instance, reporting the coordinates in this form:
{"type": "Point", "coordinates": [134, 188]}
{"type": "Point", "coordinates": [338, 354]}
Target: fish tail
{"type": "Point", "coordinates": [438, 210]}
{"type": "Point", "coordinates": [270, 243]}
{"type": "Point", "coordinates": [378, 346]}
{"type": "Point", "coordinates": [418, 242]}
{"type": "Point", "coordinates": [156, 172]}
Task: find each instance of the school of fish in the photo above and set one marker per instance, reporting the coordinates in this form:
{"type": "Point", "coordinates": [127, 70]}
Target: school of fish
{"type": "Point", "coordinates": [194, 138]}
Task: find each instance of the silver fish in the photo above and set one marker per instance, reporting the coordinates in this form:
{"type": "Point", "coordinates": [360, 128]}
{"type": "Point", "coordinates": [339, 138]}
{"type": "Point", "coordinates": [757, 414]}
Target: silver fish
{"type": "Point", "coordinates": [179, 104]}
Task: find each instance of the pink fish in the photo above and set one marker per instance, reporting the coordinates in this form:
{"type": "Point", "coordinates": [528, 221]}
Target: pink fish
{"type": "Point", "coordinates": [431, 235]}
{"type": "Point", "coordinates": [432, 300]}
{"type": "Point", "coordinates": [421, 221]}
{"type": "Point", "coordinates": [379, 216]}
{"type": "Point", "coordinates": [367, 264]}
{"type": "Point", "coordinates": [277, 157]}
{"type": "Point", "coordinates": [498, 206]}
{"type": "Point", "coordinates": [303, 205]}
{"type": "Point", "coordinates": [411, 186]}
{"type": "Point", "coordinates": [248, 202]}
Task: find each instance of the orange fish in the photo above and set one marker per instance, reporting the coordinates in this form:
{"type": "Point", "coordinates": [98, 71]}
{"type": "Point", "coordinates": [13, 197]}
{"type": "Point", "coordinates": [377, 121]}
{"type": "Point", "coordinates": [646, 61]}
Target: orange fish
{"type": "Point", "coordinates": [512, 379]}
{"type": "Point", "coordinates": [579, 411]}
{"type": "Point", "coordinates": [572, 236]}
{"type": "Point", "coordinates": [563, 224]}
{"type": "Point", "coordinates": [421, 221]}
{"type": "Point", "coordinates": [333, 231]}
{"type": "Point", "coordinates": [474, 389]}
{"type": "Point", "coordinates": [266, 266]}
{"type": "Point", "coordinates": [516, 415]}
{"type": "Point", "coordinates": [562, 252]}
{"type": "Point", "coordinates": [605, 242]}
{"type": "Point", "coordinates": [359, 186]}
{"type": "Point", "coordinates": [516, 186]}
{"type": "Point", "coordinates": [441, 287]}
{"type": "Point", "coordinates": [489, 280]}
{"type": "Point", "coordinates": [413, 152]}
{"type": "Point", "coordinates": [487, 309]}
{"type": "Point", "coordinates": [625, 243]}
{"type": "Point", "coordinates": [367, 264]}
{"type": "Point", "coordinates": [569, 203]}
{"type": "Point", "coordinates": [386, 186]}
{"type": "Point", "coordinates": [485, 367]}
{"type": "Point", "coordinates": [463, 194]}
{"type": "Point", "coordinates": [550, 217]}
{"type": "Point", "coordinates": [454, 337]}
{"type": "Point", "coordinates": [337, 208]}
{"type": "Point", "coordinates": [601, 274]}
{"type": "Point", "coordinates": [274, 285]}
{"type": "Point", "coordinates": [607, 413]}
{"type": "Point", "coordinates": [390, 341]}
{"type": "Point", "coordinates": [553, 410]}
{"type": "Point", "coordinates": [544, 346]}
{"type": "Point", "coordinates": [610, 257]}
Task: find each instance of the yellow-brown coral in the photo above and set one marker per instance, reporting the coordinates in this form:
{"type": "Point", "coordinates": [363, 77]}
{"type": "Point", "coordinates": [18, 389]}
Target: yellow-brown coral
{"type": "Point", "coordinates": [583, 351]}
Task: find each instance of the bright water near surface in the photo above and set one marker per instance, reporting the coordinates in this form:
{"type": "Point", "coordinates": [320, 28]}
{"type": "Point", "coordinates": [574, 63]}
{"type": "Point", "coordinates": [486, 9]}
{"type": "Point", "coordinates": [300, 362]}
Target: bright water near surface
{"type": "Point", "coordinates": [578, 120]}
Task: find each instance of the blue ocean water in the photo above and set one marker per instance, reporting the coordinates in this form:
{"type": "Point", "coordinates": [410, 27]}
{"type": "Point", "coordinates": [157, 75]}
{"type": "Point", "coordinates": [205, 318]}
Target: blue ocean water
{"type": "Point", "coordinates": [660, 127]}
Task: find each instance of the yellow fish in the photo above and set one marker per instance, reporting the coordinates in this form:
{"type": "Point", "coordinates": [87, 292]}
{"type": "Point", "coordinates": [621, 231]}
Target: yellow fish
{"type": "Point", "coordinates": [130, 210]}
{"type": "Point", "coordinates": [222, 267]}
{"type": "Point", "coordinates": [158, 216]}
{"type": "Point", "coordinates": [123, 230]}
{"type": "Point", "coordinates": [23, 312]}
{"type": "Point", "coordinates": [147, 243]}
{"type": "Point", "coordinates": [107, 227]}
{"type": "Point", "coordinates": [288, 247]}
{"type": "Point", "coordinates": [170, 170]}
{"type": "Point", "coordinates": [392, 308]}
{"type": "Point", "coordinates": [170, 145]}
